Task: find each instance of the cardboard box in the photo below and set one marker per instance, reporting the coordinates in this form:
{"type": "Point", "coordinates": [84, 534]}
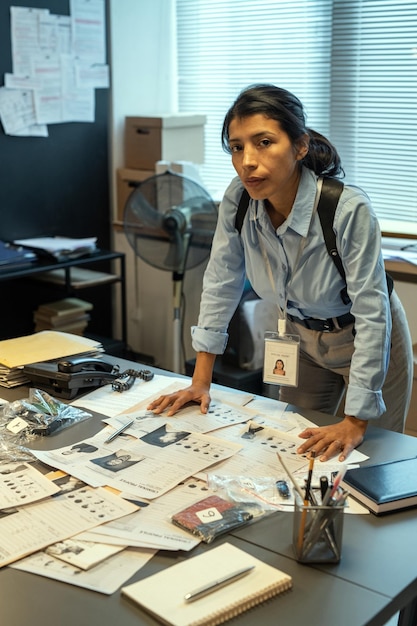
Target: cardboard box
{"type": "Point", "coordinates": [178, 137]}
{"type": "Point", "coordinates": [127, 181]}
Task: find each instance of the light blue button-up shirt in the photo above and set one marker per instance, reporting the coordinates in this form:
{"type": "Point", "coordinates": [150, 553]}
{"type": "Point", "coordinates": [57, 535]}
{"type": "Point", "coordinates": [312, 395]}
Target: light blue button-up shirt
{"type": "Point", "coordinates": [307, 282]}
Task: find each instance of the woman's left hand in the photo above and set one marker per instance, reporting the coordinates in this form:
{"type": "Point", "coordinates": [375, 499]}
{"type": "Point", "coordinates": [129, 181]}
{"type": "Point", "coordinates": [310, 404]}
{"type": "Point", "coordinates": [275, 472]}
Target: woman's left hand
{"type": "Point", "coordinates": [328, 441]}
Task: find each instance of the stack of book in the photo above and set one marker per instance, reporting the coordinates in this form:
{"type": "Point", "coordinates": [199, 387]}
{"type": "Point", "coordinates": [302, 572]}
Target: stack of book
{"type": "Point", "coordinates": [69, 315]}
{"type": "Point", "coordinates": [42, 346]}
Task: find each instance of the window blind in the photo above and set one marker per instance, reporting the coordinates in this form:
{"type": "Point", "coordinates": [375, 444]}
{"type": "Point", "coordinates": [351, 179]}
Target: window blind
{"type": "Point", "coordinates": [373, 119]}
{"type": "Point", "coordinates": [353, 64]}
{"type": "Point", "coordinates": [226, 45]}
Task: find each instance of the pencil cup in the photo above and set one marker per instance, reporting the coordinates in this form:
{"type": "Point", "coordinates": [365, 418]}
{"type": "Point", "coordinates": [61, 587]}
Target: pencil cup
{"type": "Point", "coordinates": [317, 532]}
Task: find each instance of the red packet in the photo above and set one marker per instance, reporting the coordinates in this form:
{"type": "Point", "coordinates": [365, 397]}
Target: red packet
{"type": "Point", "coordinates": [212, 516]}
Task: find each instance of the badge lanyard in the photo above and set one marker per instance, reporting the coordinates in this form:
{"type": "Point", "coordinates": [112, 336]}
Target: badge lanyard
{"type": "Point", "coordinates": [281, 356]}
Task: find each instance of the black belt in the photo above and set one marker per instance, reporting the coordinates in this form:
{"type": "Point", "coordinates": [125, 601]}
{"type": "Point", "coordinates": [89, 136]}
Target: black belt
{"type": "Point", "coordinates": [325, 326]}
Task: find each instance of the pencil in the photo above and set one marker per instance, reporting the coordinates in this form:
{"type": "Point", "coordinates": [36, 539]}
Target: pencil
{"type": "Point", "coordinates": [290, 476]}
{"type": "Point", "coordinates": [306, 503]}
{"type": "Point", "coordinates": [309, 477]}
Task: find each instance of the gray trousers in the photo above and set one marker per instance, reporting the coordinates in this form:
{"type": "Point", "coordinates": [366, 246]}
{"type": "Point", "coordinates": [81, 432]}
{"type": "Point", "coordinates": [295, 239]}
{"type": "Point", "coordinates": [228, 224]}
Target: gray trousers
{"type": "Point", "coordinates": [325, 363]}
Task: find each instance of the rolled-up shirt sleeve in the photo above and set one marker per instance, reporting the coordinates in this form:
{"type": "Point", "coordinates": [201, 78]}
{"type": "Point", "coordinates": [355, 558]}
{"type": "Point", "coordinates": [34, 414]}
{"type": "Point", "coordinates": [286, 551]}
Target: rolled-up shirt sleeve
{"type": "Point", "coordinates": [224, 278]}
{"type": "Point", "coordinates": [359, 244]}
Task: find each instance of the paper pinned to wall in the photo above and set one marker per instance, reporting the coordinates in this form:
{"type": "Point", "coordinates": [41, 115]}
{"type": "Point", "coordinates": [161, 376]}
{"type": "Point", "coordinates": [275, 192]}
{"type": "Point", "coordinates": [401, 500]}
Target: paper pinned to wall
{"type": "Point", "coordinates": [57, 61]}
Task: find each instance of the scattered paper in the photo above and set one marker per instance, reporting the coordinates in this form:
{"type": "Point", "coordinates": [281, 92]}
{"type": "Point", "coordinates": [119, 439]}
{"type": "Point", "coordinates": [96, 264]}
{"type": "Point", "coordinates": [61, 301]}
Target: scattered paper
{"type": "Point", "coordinates": [148, 466]}
{"type": "Point", "coordinates": [190, 418]}
{"type": "Point", "coordinates": [24, 531]}
{"type": "Point", "coordinates": [151, 526]}
{"type": "Point", "coordinates": [110, 403]}
{"type": "Point", "coordinates": [60, 246]}
{"type": "Point", "coordinates": [21, 484]}
{"type": "Point", "coordinates": [105, 578]}
{"type": "Point", "coordinates": [82, 554]}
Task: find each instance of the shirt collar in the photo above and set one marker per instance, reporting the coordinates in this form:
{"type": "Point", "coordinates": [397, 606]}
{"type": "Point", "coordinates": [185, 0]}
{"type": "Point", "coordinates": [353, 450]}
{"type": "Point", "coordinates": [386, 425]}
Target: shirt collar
{"type": "Point", "coordinates": [300, 217]}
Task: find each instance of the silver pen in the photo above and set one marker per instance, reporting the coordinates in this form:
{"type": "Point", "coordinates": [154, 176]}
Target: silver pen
{"type": "Point", "coordinates": [119, 431]}
{"type": "Point", "coordinates": [217, 584]}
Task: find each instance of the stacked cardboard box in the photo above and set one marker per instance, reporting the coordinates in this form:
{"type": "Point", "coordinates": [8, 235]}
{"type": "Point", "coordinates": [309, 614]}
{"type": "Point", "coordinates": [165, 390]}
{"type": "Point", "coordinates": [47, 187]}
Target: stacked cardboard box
{"type": "Point", "coordinates": [70, 315]}
{"type": "Point", "coordinates": [147, 140]}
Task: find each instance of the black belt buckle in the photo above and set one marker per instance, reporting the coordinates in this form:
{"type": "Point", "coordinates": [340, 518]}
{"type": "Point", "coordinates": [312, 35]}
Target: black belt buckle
{"type": "Point", "coordinates": [322, 326]}
{"type": "Point", "coordinates": [328, 326]}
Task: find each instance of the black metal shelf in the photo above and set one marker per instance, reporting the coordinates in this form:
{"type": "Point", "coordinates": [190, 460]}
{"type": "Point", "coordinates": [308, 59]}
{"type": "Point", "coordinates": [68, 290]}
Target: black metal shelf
{"type": "Point", "coordinates": [44, 265]}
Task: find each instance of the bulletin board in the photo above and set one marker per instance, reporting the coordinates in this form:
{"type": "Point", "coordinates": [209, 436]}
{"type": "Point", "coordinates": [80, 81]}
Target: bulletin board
{"type": "Point", "coordinates": [55, 185]}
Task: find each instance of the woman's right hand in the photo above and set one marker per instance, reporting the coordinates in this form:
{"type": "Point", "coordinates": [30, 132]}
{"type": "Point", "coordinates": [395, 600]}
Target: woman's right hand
{"type": "Point", "coordinates": [174, 401]}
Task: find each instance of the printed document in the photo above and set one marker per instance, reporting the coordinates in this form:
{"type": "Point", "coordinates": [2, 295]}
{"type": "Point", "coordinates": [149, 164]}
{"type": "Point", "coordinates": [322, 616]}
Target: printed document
{"type": "Point", "coordinates": [24, 530]}
{"type": "Point", "coordinates": [105, 578]}
{"type": "Point", "coordinates": [146, 467]}
{"type": "Point", "coordinates": [151, 526]}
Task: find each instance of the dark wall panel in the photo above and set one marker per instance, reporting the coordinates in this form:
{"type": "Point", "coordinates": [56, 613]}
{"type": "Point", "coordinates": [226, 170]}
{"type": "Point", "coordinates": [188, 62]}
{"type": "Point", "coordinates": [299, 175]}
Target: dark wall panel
{"type": "Point", "coordinates": [58, 185]}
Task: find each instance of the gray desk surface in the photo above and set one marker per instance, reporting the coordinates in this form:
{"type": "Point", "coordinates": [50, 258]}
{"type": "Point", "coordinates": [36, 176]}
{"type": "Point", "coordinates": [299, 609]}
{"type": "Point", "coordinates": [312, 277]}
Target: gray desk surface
{"type": "Point", "coordinates": [379, 553]}
{"type": "Point", "coordinates": [376, 577]}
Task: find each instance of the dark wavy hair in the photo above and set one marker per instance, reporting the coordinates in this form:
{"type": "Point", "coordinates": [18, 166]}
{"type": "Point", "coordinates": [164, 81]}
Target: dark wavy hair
{"type": "Point", "coordinates": [281, 105]}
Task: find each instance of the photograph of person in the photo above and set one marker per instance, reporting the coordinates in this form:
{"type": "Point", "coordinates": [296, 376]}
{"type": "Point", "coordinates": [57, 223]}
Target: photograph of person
{"type": "Point", "coordinates": [62, 547]}
{"type": "Point", "coordinates": [117, 461]}
{"type": "Point", "coordinates": [80, 447]}
{"type": "Point", "coordinates": [354, 338]}
{"type": "Point", "coordinates": [279, 368]}
{"type": "Point", "coordinates": [162, 437]}
{"type": "Point", "coordinates": [68, 483]}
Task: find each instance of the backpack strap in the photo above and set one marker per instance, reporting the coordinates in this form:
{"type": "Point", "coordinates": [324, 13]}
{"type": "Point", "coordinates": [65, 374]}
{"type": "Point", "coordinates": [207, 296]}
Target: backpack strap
{"type": "Point", "coordinates": [241, 210]}
{"type": "Point", "coordinates": [326, 208]}
{"type": "Point", "coordinates": [329, 197]}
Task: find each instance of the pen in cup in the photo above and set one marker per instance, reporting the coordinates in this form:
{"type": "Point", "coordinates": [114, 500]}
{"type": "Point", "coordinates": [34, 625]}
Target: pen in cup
{"type": "Point", "coordinates": [324, 485]}
{"type": "Point", "coordinates": [306, 502]}
{"type": "Point", "coordinates": [336, 483]}
{"type": "Point", "coordinates": [217, 584]}
{"type": "Point", "coordinates": [119, 431]}
{"type": "Point", "coordinates": [323, 524]}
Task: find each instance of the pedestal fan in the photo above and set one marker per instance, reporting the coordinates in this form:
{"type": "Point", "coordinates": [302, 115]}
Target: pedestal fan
{"type": "Point", "coordinates": [169, 221]}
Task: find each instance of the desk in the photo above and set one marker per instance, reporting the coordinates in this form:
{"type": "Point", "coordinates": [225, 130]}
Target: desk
{"type": "Point", "coordinates": [44, 265]}
{"type": "Point", "coordinates": [401, 270]}
{"type": "Point", "coordinates": [376, 577]}
{"type": "Point", "coordinates": [378, 552]}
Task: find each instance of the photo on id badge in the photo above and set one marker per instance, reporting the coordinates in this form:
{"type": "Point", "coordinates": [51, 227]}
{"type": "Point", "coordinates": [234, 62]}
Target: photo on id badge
{"type": "Point", "coordinates": [281, 361]}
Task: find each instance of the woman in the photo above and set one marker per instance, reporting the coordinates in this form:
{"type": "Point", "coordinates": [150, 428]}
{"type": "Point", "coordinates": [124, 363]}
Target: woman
{"type": "Point", "coordinates": [279, 369]}
{"type": "Point", "coordinates": [281, 249]}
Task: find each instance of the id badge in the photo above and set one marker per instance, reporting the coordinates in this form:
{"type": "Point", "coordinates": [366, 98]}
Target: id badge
{"type": "Point", "coordinates": [281, 359]}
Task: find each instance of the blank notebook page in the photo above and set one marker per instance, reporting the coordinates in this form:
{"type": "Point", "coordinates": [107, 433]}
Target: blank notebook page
{"type": "Point", "coordinates": [162, 594]}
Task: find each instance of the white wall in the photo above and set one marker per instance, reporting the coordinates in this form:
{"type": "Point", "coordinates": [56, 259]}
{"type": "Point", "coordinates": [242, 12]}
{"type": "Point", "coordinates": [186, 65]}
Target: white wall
{"type": "Point", "coordinates": [144, 81]}
{"type": "Point", "coordinates": [144, 76]}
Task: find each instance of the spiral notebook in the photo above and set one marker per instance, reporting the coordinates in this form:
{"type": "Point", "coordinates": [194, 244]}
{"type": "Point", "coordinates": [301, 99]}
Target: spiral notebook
{"type": "Point", "coordinates": [163, 594]}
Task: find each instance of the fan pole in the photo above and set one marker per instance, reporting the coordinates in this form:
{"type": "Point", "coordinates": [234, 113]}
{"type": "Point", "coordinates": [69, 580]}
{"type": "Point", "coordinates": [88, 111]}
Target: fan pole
{"type": "Point", "coordinates": [161, 217]}
{"type": "Point", "coordinates": [177, 278]}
